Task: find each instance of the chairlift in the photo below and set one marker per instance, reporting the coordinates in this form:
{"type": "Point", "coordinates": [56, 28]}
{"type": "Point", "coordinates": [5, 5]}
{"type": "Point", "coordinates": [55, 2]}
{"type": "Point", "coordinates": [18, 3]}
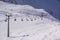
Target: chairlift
{"type": "Point", "coordinates": [5, 20]}
{"type": "Point", "coordinates": [14, 19]}
{"type": "Point", "coordinates": [31, 19]}
{"type": "Point", "coordinates": [27, 19]}
{"type": "Point", "coordinates": [34, 18]}
{"type": "Point", "coordinates": [21, 19]}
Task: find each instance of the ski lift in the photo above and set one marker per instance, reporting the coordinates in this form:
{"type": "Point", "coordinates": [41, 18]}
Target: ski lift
{"type": "Point", "coordinates": [31, 19]}
{"type": "Point", "coordinates": [21, 19]}
{"type": "Point", "coordinates": [5, 20]}
{"type": "Point", "coordinates": [14, 19]}
{"type": "Point", "coordinates": [27, 19]}
{"type": "Point", "coordinates": [34, 19]}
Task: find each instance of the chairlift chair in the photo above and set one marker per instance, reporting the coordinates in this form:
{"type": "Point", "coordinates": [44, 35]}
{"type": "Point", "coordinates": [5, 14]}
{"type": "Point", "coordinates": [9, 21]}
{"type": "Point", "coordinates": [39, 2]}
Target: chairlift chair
{"type": "Point", "coordinates": [21, 19]}
{"type": "Point", "coordinates": [5, 20]}
{"type": "Point", "coordinates": [31, 19]}
{"type": "Point", "coordinates": [27, 19]}
{"type": "Point", "coordinates": [14, 19]}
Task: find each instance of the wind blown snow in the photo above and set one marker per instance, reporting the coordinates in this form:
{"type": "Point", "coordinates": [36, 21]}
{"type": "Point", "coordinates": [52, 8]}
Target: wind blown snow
{"type": "Point", "coordinates": [29, 25]}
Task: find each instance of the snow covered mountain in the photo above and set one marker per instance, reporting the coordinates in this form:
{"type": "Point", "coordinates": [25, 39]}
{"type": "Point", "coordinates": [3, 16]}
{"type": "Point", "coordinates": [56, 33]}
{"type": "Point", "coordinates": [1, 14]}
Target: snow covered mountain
{"type": "Point", "coordinates": [31, 23]}
{"type": "Point", "coordinates": [23, 10]}
{"type": "Point", "coordinates": [48, 5]}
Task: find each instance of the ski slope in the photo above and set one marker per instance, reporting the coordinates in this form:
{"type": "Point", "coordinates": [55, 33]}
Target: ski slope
{"type": "Point", "coordinates": [29, 24]}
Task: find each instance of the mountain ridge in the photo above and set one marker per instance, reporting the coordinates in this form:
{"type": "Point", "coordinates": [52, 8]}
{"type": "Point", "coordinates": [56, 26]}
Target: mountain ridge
{"type": "Point", "coordinates": [48, 5]}
{"type": "Point", "coordinates": [24, 9]}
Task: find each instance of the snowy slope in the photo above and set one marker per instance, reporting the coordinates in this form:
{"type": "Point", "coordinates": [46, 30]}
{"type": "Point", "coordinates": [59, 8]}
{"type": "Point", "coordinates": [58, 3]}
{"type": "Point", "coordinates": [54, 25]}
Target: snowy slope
{"type": "Point", "coordinates": [28, 25]}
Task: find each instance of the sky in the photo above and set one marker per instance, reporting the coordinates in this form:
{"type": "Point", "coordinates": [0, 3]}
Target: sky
{"type": "Point", "coordinates": [48, 5]}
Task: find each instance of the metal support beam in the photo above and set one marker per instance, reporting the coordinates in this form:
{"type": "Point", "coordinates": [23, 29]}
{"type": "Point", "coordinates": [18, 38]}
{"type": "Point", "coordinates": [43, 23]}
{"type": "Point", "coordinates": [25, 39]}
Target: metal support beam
{"type": "Point", "coordinates": [8, 26]}
{"type": "Point", "coordinates": [8, 21]}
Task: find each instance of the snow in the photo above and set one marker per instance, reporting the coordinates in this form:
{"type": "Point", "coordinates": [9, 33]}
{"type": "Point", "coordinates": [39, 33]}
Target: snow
{"type": "Point", "coordinates": [28, 25]}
